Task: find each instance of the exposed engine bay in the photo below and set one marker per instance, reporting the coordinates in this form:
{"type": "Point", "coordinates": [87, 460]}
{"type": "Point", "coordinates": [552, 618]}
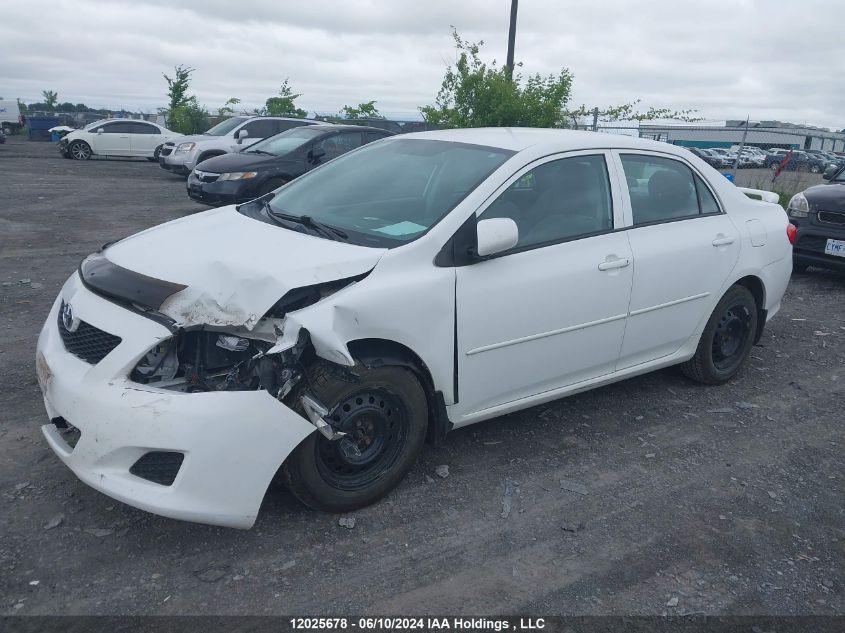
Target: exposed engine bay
{"type": "Point", "coordinates": [205, 360]}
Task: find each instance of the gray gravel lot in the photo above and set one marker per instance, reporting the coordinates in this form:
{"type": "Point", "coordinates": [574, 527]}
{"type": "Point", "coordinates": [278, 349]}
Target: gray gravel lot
{"type": "Point", "coordinates": [654, 495]}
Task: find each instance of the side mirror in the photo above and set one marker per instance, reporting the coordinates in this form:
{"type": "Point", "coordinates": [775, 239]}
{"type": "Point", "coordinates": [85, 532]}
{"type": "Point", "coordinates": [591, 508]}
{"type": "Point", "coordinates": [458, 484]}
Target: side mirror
{"type": "Point", "coordinates": [830, 172]}
{"type": "Point", "coordinates": [316, 154]}
{"type": "Point", "coordinates": [241, 135]}
{"type": "Point", "coordinates": [99, 130]}
{"type": "Point", "coordinates": [496, 235]}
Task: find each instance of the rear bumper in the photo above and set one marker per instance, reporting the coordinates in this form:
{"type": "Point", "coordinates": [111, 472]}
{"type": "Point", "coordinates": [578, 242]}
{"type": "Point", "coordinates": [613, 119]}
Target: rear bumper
{"type": "Point", "coordinates": [233, 442]}
{"type": "Point", "coordinates": [810, 243]}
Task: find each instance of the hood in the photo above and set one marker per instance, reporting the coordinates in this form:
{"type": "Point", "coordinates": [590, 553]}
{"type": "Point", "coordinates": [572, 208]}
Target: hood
{"type": "Point", "coordinates": [193, 138]}
{"type": "Point", "coordinates": [234, 268]}
{"type": "Point", "coordinates": [241, 161]}
{"type": "Point", "coordinates": [827, 197]}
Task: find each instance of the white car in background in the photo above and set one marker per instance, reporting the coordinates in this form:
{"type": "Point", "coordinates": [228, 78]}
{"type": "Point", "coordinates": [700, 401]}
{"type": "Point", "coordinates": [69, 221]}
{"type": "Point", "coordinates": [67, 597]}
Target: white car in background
{"type": "Point", "coordinates": [418, 284]}
{"type": "Point", "coordinates": [117, 137]}
{"type": "Point", "coordinates": [230, 135]}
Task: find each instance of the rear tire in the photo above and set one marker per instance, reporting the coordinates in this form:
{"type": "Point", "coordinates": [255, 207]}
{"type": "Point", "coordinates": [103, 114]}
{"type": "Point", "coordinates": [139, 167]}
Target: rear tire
{"type": "Point", "coordinates": [727, 339]}
{"type": "Point", "coordinates": [154, 158]}
{"type": "Point", "coordinates": [384, 410]}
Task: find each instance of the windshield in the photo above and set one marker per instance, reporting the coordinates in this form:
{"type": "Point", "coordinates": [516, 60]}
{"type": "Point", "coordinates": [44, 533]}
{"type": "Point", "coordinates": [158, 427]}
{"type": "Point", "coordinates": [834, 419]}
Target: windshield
{"type": "Point", "coordinates": [96, 124]}
{"type": "Point", "coordinates": [839, 177]}
{"type": "Point", "coordinates": [224, 127]}
{"type": "Point", "coordinates": [390, 193]}
{"type": "Point", "coordinates": [287, 141]}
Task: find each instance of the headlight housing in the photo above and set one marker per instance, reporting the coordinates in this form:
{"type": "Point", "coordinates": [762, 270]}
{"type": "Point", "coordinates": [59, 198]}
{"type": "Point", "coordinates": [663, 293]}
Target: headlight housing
{"type": "Point", "coordinates": [185, 147]}
{"type": "Point", "coordinates": [238, 175]}
{"type": "Point", "coordinates": [798, 207]}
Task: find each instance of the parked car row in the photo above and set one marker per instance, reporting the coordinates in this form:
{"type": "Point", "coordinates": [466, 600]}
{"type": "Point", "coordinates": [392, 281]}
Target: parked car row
{"type": "Point", "coordinates": [815, 161]}
{"type": "Point", "coordinates": [267, 165]}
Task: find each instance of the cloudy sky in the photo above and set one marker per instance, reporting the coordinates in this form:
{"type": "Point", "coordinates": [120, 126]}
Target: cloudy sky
{"type": "Point", "coordinates": [770, 59]}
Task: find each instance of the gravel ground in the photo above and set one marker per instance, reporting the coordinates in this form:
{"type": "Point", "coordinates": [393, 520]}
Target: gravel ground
{"type": "Point", "coordinates": [654, 495]}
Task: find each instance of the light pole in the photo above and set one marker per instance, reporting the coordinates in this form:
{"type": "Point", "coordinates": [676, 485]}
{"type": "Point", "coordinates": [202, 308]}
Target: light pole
{"type": "Point", "coordinates": [511, 39]}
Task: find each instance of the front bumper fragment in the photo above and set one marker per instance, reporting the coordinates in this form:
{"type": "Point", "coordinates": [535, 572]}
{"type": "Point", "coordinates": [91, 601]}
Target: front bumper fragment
{"type": "Point", "coordinates": [233, 442]}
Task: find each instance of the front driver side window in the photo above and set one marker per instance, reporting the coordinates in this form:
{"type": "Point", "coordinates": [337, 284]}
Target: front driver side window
{"type": "Point", "coordinates": [557, 201]}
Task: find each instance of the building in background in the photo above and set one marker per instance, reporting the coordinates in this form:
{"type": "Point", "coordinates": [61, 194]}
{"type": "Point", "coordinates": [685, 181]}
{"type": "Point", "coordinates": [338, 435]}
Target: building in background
{"type": "Point", "coordinates": [763, 134]}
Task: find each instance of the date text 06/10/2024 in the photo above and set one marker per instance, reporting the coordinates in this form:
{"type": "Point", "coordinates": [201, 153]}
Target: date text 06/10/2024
{"type": "Point", "coordinates": [466, 625]}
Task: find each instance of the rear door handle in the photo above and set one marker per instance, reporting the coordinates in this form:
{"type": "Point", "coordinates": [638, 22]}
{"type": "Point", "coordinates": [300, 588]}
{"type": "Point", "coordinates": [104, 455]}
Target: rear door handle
{"type": "Point", "coordinates": [610, 264]}
{"type": "Point", "coordinates": [722, 240]}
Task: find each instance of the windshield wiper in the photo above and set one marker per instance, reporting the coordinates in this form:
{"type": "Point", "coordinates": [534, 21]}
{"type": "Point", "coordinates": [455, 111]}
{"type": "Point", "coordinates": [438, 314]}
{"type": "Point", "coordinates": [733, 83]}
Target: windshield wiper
{"type": "Point", "coordinates": [258, 151]}
{"type": "Point", "coordinates": [326, 230]}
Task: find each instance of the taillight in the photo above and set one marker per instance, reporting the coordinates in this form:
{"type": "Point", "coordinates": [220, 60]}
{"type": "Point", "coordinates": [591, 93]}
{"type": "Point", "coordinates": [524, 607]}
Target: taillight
{"type": "Point", "coordinates": [791, 233]}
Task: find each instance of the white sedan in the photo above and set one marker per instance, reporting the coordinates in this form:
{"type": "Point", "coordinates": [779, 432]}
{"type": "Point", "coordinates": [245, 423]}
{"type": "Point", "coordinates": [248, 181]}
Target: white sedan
{"type": "Point", "coordinates": [418, 284]}
{"type": "Point", "coordinates": [117, 137]}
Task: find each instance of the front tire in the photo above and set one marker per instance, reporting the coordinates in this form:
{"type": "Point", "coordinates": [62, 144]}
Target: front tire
{"type": "Point", "coordinates": [727, 339]}
{"type": "Point", "coordinates": [154, 158]}
{"type": "Point", "coordinates": [80, 150]}
{"type": "Point", "coordinates": [385, 414]}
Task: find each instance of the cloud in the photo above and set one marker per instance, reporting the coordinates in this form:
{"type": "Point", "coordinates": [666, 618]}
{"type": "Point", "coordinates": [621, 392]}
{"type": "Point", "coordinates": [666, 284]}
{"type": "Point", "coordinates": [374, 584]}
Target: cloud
{"type": "Point", "coordinates": [726, 58]}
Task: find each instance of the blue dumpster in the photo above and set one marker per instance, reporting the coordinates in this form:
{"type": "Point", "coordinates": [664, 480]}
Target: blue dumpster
{"type": "Point", "coordinates": [39, 126]}
{"type": "Point", "coordinates": [729, 177]}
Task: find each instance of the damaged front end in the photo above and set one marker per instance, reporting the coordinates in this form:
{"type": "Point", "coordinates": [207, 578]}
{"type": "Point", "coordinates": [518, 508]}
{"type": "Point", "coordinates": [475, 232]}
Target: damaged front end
{"type": "Point", "coordinates": [204, 360]}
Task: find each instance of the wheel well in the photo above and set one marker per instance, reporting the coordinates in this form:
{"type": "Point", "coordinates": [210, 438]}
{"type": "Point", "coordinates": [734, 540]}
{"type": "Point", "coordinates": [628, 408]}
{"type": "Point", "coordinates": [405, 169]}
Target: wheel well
{"type": "Point", "coordinates": [374, 352]}
{"type": "Point", "coordinates": [758, 291]}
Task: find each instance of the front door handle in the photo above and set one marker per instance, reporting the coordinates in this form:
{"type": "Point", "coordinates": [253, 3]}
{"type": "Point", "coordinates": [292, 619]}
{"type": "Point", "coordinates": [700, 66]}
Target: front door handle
{"type": "Point", "coordinates": [722, 240]}
{"type": "Point", "coordinates": [613, 262]}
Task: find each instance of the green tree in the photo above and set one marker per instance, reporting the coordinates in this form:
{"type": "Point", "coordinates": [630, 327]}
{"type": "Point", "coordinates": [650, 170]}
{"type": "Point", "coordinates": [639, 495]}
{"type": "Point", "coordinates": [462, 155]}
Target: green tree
{"type": "Point", "coordinates": [366, 110]}
{"type": "Point", "coordinates": [475, 94]}
{"type": "Point", "coordinates": [284, 105]}
{"type": "Point", "coordinates": [228, 108]}
{"type": "Point", "coordinates": [188, 118]}
{"type": "Point", "coordinates": [631, 112]}
{"type": "Point", "coordinates": [50, 99]}
{"type": "Point", "coordinates": [177, 86]}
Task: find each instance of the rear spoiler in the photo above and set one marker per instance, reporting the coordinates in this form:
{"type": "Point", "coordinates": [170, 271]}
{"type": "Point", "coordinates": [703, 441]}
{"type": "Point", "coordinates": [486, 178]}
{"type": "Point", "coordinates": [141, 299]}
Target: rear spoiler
{"type": "Point", "coordinates": [759, 194]}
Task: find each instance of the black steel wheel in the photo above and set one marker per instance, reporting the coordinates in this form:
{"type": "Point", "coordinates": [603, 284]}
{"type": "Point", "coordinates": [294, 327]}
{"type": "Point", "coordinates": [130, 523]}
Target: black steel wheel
{"type": "Point", "coordinates": [376, 423]}
{"type": "Point", "coordinates": [384, 413]}
{"type": "Point", "coordinates": [727, 338]}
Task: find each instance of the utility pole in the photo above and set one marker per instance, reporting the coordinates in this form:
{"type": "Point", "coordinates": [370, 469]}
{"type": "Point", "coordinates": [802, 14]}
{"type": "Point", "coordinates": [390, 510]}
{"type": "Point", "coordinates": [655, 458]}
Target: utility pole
{"type": "Point", "coordinates": [511, 39]}
{"type": "Point", "coordinates": [596, 119]}
{"type": "Point", "coordinates": [741, 146]}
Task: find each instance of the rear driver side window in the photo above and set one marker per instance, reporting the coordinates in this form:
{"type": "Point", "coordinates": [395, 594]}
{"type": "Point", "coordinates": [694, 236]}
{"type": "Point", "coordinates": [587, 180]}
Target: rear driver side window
{"type": "Point", "coordinates": [663, 189]}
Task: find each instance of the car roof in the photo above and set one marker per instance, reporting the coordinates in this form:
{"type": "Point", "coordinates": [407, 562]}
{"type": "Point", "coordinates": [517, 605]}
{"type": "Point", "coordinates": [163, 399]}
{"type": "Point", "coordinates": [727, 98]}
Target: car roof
{"type": "Point", "coordinates": [117, 120]}
{"type": "Point", "coordinates": [520, 138]}
{"type": "Point", "coordinates": [250, 117]}
{"type": "Point", "coordinates": [357, 128]}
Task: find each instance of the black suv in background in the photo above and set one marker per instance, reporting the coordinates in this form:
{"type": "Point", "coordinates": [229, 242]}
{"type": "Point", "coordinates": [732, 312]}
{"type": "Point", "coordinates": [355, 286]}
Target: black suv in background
{"type": "Point", "coordinates": [819, 215]}
{"type": "Point", "coordinates": [273, 162]}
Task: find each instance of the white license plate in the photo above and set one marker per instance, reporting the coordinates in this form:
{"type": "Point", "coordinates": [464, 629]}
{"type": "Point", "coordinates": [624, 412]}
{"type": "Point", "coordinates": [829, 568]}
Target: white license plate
{"type": "Point", "coordinates": [835, 247]}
